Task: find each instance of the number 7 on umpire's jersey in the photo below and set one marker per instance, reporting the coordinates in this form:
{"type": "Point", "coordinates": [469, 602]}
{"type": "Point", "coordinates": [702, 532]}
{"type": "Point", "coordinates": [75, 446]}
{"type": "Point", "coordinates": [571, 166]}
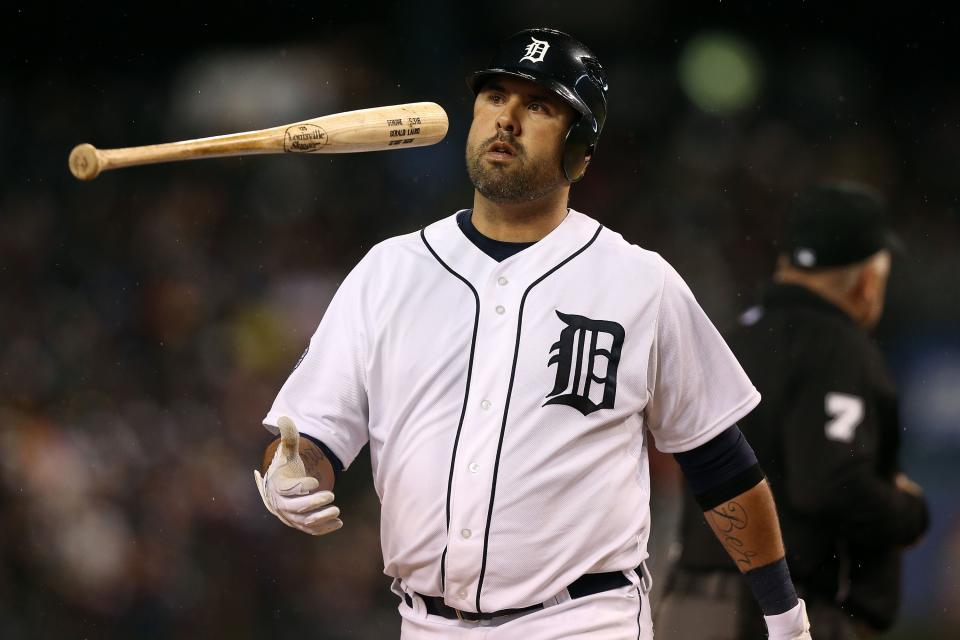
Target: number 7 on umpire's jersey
{"type": "Point", "coordinates": [846, 413]}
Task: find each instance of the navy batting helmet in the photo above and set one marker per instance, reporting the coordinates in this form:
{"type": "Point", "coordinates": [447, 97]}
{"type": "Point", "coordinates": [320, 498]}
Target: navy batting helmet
{"type": "Point", "coordinates": [565, 66]}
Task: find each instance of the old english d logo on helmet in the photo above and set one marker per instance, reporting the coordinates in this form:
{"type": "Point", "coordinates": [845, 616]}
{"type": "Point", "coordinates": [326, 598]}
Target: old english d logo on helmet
{"type": "Point", "coordinates": [565, 66]}
{"type": "Point", "coordinates": [536, 50]}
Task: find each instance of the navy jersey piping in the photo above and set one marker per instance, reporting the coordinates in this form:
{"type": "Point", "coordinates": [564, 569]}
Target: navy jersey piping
{"type": "Point", "coordinates": [506, 408]}
{"type": "Point", "coordinates": [466, 396]}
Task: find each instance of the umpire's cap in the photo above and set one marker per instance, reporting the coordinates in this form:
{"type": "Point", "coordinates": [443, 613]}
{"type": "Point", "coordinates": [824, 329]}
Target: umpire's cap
{"type": "Point", "coordinates": [565, 66]}
{"type": "Point", "coordinates": [836, 224]}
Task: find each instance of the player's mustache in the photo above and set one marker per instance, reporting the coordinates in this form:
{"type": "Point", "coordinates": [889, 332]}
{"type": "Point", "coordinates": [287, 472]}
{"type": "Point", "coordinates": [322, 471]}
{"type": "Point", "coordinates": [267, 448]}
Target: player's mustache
{"type": "Point", "coordinates": [506, 137]}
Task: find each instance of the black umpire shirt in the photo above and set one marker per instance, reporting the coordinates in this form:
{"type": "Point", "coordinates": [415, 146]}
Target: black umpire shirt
{"type": "Point", "coordinates": [827, 435]}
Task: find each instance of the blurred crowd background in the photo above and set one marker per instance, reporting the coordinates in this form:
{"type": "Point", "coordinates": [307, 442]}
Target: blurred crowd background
{"type": "Point", "coordinates": [148, 318]}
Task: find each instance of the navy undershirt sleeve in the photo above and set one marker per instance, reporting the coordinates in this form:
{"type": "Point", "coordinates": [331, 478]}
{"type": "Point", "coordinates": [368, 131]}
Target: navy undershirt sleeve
{"type": "Point", "coordinates": [720, 469]}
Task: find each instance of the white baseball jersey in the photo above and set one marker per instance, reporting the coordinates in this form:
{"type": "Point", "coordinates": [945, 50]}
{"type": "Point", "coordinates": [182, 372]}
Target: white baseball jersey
{"type": "Point", "coordinates": [506, 404]}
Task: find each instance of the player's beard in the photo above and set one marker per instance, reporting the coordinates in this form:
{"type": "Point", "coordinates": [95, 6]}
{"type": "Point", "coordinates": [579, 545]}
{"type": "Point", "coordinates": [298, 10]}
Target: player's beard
{"type": "Point", "coordinates": [508, 183]}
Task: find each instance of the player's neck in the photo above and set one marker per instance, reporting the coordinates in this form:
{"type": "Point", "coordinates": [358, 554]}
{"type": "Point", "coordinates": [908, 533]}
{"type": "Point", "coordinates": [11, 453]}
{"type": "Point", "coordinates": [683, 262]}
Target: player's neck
{"type": "Point", "coordinates": [526, 221]}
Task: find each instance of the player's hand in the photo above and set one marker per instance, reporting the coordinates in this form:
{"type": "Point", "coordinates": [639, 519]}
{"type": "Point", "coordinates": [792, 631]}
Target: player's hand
{"type": "Point", "coordinates": [292, 495]}
{"type": "Point", "coordinates": [790, 625]}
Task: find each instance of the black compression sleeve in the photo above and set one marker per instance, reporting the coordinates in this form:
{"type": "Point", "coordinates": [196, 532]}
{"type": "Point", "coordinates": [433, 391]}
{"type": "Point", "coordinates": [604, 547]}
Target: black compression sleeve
{"type": "Point", "coordinates": [720, 469]}
{"type": "Point", "coordinates": [725, 491]}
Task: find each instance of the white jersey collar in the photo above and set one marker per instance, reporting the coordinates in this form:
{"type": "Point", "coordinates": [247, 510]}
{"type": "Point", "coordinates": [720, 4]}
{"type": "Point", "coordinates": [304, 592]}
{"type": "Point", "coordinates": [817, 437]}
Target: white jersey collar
{"type": "Point", "coordinates": [453, 247]}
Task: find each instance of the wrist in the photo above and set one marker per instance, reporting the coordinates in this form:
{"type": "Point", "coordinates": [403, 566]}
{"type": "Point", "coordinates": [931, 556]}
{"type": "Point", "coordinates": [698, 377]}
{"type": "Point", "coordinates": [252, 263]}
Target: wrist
{"type": "Point", "coordinates": [772, 587]}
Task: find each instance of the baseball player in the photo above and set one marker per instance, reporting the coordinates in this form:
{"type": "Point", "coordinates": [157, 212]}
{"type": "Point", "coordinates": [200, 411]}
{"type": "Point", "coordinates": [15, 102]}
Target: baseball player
{"type": "Point", "coordinates": [509, 366]}
{"type": "Point", "coordinates": [828, 432]}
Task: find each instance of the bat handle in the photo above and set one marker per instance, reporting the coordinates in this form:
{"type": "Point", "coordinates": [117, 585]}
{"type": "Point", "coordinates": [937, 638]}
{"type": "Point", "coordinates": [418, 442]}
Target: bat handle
{"type": "Point", "coordinates": [85, 162]}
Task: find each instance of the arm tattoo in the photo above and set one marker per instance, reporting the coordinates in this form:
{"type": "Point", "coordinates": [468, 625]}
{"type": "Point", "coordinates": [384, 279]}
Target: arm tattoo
{"type": "Point", "coordinates": [728, 520]}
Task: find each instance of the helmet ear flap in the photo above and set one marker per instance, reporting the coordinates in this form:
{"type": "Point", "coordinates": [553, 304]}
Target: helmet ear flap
{"type": "Point", "coordinates": [578, 148]}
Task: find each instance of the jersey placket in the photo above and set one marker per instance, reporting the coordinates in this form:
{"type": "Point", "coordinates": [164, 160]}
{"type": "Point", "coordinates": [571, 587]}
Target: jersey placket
{"type": "Point", "coordinates": [476, 456]}
{"type": "Point", "coordinates": [474, 492]}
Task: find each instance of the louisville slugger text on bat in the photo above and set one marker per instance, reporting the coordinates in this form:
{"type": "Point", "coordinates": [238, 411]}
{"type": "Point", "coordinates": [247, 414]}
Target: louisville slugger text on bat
{"type": "Point", "coordinates": [416, 124]}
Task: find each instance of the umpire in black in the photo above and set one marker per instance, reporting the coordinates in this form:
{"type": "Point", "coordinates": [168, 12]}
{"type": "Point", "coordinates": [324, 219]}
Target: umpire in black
{"type": "Point", "coordinates": [826, 434]}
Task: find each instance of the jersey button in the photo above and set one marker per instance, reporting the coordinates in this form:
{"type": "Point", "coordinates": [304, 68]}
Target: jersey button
{"type": "Point", "coordinates": [474, 467]}
{"type": "Point", "coordinates": [486, 405]}
{"type": "Point", "coordinates": [462, 594]}
{"type": "Point", "coordinates": [502, 281]}
{"type": "Point", "coordinates": [500, 309]}
{"type": "Point", "coordinates": [466, 533]}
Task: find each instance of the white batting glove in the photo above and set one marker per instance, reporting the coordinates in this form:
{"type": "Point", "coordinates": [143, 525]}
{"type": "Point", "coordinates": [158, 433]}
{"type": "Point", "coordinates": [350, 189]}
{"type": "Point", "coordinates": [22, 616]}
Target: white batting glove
{"type": "Point", "coordinates": [290, 494]}
{"type": "Point", "coordinates": [789, 625]}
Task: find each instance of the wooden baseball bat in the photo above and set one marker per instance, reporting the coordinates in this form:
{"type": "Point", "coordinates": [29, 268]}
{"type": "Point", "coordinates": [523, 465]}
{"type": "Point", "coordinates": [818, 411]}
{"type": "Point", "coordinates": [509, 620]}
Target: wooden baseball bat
{"type": "Point", "coordinates": [401, 126]}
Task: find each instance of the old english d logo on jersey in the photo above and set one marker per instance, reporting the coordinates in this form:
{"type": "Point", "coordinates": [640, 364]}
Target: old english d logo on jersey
{"type": "Point", "coordinates": [587, 352]}
{"type": "Point", "coordinates": [536, 50]}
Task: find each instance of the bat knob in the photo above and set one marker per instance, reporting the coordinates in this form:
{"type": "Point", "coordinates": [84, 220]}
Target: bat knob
{"type": "Point", "coordinates": [84, 162]}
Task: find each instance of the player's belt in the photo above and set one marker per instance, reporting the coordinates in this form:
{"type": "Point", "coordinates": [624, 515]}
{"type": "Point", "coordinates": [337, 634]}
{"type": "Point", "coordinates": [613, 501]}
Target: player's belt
{"type": "Point", "coordinates": [585, 585]}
